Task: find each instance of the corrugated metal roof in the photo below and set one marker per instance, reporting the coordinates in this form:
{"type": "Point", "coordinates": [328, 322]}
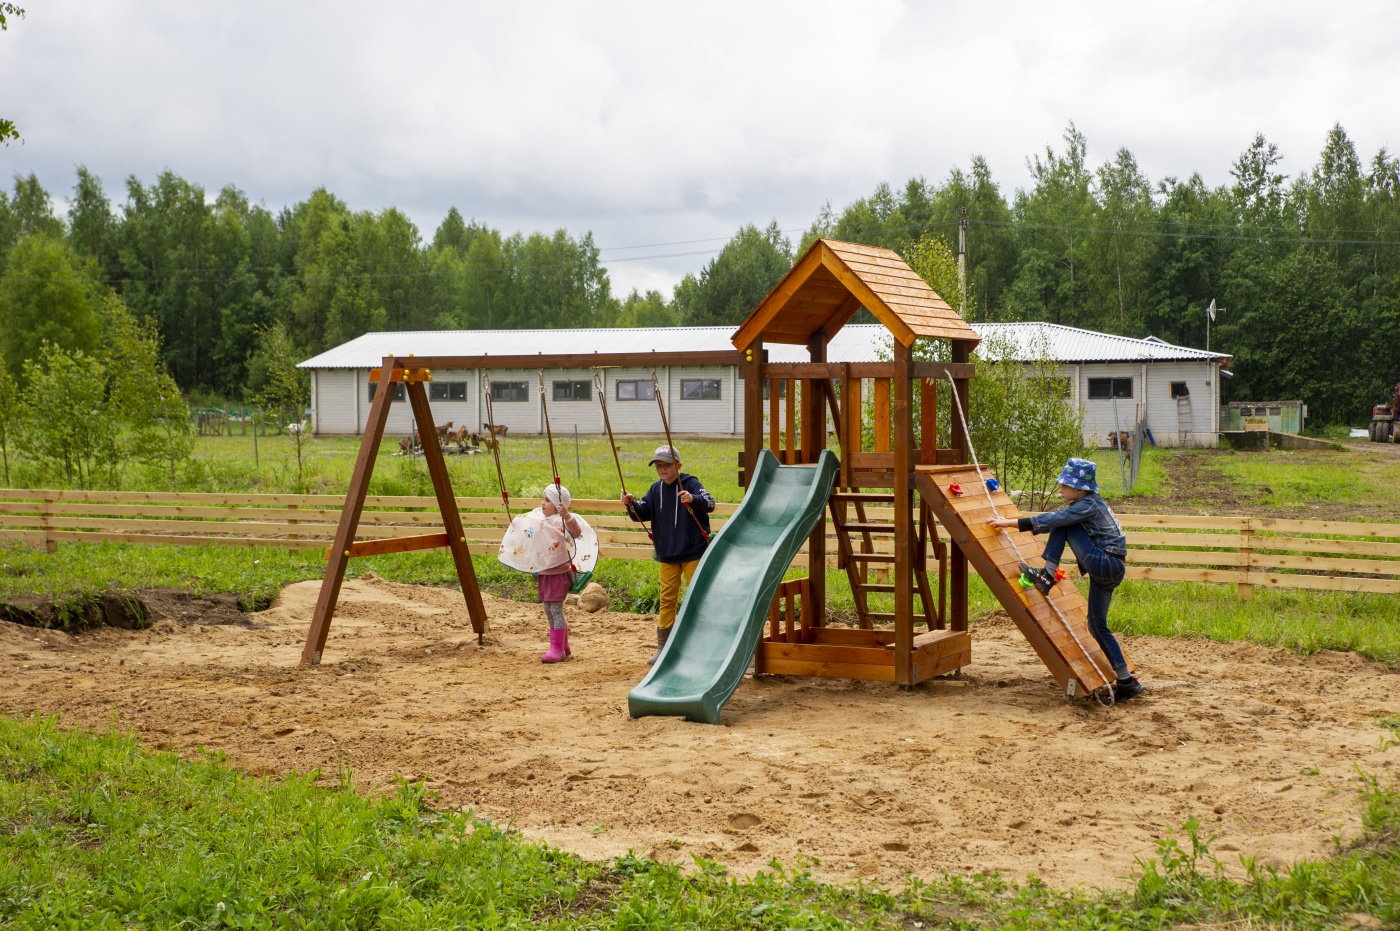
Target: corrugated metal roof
{"type": "Point", "coordinates": [853, 343]}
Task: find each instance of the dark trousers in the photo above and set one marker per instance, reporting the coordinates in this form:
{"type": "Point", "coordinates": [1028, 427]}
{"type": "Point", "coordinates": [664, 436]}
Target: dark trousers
{"type": "Point", "coordinates": [1105, 572]}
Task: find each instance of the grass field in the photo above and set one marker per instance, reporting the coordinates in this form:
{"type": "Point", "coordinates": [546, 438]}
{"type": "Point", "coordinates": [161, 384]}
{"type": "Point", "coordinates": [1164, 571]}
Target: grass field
{"type": "Point", "coordinates": [100, 833]}
{"type": "Point", "coordinates": [96, 832]}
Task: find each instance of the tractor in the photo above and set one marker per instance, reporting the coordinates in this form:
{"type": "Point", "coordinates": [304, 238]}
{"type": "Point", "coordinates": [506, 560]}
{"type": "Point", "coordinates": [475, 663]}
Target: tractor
{"type": "Point", "coordinates": [1383, 420]}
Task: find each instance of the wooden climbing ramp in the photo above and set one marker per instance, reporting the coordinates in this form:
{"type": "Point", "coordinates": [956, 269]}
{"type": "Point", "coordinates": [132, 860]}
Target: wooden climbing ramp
{"type": "Point", "coordinates": [1061, 638]}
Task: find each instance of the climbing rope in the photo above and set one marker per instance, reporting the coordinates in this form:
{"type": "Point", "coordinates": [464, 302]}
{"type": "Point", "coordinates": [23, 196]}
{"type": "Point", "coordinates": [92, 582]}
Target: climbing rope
{"type": "Point", "coordinates": [496, 449]}
{"type": "Point", "coordinates": [656, 390]}
{"type": "Point", "coordinates": [1069, 628]}
{"type": "Point", "coordinates": [601, 387]}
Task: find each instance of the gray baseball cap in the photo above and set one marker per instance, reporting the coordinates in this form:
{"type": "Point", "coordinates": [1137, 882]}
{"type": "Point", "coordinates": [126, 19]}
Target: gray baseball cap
{"type": "Point", "coordinates": [667, 454]}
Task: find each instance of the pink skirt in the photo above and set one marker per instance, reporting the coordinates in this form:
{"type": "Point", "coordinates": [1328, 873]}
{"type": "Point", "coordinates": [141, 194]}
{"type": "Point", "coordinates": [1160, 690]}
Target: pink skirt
{"type": "Point", "coordinates": [555, 586]}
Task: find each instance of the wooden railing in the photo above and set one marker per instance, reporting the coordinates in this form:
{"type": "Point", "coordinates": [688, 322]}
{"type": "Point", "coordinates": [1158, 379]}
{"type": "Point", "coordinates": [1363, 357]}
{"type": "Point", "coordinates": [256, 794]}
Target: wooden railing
{"type": "Point", "coordinates": [1243, 551]}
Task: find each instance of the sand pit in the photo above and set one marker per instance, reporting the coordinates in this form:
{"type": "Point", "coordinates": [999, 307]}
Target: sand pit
{"type": "Point", "coordinates": [995, 771]}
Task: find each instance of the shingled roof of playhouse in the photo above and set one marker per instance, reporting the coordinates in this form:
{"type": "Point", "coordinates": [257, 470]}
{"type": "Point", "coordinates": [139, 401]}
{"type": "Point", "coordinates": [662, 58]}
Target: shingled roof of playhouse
{"type": "Point", "coordinates": [833, 280]}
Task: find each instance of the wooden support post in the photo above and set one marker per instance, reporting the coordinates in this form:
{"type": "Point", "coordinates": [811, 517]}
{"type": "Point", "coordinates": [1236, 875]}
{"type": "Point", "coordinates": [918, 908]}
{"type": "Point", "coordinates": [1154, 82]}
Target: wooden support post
{"type": "Point", "coordinates": [882, 415]}
{"type": "Point", "coordinates": [903, 531]}
{"type": "Point", "coordinates": [775, 416]}
{"type": "Point", "coordinates": [928, 421]}
{"type": "Point", "coordinates": [50, 541]}
{"type": "Point", "coordinates": [1244, 591]}
{"type": "Point", "coordinates": [814, 602]}
{"type": "Point", "coordinates": [753, 409]}
{"type": "Point", "coordinates": [447, 504]}
{"type": "Point", "coordinates": [790, 427]}
{"type": "Point", "coordinates": [349, 518]}
{"type": "Point", "coordinates": [957, 570]}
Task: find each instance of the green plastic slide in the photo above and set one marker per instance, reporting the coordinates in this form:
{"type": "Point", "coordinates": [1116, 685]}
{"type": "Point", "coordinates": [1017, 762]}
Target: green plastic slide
{"type": "Point", "coordinates": [724, 610]}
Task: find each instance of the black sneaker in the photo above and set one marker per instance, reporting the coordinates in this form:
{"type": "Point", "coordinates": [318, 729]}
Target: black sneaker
{"type": "Point", "coordinates": [1127, 688]}
{"type": "Point", "coordinates": [1043, 579]}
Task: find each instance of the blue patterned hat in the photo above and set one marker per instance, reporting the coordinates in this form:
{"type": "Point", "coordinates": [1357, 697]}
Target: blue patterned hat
{"type": "Point", "coordinates": [1079, 473]}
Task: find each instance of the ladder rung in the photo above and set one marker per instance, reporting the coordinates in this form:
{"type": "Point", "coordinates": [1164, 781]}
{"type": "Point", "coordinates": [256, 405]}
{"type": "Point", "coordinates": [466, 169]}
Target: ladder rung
{"type": "Point", "coordinates": [875, 587]}
{"type": "Point", "coordinates": [865, 528]}
{"type": "Point", "coordinates": [866, 496]}
{"type": "Point", "coordinates": [872, 557]}
{"type": "Point", "coordinates": [889, 616]}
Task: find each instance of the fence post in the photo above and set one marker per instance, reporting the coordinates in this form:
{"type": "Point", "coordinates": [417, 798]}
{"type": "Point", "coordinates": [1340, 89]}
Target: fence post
{"type": "Point", "coordinates": [1245, 590]}
{"type": "Point", "coordinates": [50, 541]}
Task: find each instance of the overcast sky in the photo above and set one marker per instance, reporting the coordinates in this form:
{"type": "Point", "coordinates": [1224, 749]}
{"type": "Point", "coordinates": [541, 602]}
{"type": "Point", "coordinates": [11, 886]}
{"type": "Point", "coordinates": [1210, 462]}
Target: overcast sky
{"type": "Point", "coordinates": [667, 126]}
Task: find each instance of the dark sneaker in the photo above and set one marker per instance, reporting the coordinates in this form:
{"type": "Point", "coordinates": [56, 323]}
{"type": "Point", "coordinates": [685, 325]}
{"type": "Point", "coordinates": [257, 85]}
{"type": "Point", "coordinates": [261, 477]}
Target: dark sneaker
{"type": "Point", "coordinates": [1043, 579]}
{"type": "Point", "coordinates": [1127, 688]}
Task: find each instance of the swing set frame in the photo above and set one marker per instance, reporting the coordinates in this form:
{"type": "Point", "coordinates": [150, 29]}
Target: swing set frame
{"type": "Point", "coordinates": [415, 372]}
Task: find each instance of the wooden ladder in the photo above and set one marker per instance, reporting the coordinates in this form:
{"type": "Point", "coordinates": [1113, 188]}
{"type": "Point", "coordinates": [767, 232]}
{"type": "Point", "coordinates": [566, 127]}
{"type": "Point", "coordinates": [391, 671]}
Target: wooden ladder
{"type": "Point", "coordinates": [858, 555]}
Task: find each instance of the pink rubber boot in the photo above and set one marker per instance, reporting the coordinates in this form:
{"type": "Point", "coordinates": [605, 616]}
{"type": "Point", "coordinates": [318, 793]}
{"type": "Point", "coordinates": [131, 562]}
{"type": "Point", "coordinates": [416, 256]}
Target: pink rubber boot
{"type": "Point", "coordinates": [567, 652]}
{"type": "Point", "coordinates": [558, 647]}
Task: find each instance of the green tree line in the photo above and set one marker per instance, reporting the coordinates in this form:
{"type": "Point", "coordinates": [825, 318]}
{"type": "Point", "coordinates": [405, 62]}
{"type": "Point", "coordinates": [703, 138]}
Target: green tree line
{"type": "Point", "coordinates": [1306, 267]}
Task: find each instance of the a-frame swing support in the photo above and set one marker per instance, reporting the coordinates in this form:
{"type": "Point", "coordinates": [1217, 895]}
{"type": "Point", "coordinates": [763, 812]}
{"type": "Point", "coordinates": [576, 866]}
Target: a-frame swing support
{"type": "Point", "coordinates": [344, 548]}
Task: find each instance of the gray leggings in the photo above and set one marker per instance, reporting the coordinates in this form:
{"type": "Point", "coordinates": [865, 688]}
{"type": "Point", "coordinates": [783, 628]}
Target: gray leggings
{"type": "Point", "coordinates": [554, 610]}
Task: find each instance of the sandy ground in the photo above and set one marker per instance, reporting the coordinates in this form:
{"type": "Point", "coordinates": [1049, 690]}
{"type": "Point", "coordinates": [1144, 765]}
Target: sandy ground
{"type": "Point", "coordinates": [995, 771]}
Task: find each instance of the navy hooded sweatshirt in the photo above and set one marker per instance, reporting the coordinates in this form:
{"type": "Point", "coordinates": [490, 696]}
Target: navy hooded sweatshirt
{"type": "Point", "coordinates": [676, 537]}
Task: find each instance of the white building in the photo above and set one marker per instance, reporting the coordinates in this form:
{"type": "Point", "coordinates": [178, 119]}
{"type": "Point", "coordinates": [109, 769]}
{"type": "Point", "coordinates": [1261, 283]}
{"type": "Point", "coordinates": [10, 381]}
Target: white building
{"type": "Point", "coordinates": [1112, 378]}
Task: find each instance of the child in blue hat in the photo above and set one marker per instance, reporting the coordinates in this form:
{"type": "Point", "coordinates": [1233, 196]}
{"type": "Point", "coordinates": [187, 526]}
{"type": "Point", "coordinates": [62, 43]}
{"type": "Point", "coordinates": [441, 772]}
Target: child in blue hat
{"type": "Point", "coordinates": [1087, 524]}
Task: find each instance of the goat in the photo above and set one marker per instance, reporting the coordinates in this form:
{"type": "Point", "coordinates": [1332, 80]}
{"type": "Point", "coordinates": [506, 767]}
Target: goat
{"type": "Point", "coordinates": [442, 431]}
{"type": "Point", "coordinates": [297, 427]}
{"type": "Point", "coordinates": [490, 442]}
{"type": "Point", "coordinates": [497, 430]}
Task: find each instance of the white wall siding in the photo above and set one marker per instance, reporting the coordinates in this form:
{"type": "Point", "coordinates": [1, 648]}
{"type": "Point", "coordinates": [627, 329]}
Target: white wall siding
{"type": "Point", "coordinates": [633, 416]}
{"type": "Point", "coordinates": [701, 416]}
{"type": "Point", "coordinates": [334, 401]}
{"type": "Point", "coordinates": [1152, 400]}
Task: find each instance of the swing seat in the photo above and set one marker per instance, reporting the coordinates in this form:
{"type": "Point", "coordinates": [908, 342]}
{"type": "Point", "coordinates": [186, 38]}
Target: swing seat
{"type": "Point", "coordinates": [581, 580]}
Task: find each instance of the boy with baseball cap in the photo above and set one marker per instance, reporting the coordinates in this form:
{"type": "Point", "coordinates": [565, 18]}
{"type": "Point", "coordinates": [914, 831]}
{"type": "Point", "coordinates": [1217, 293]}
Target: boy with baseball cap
{"type": "Point", "coordinates": [679, 538]}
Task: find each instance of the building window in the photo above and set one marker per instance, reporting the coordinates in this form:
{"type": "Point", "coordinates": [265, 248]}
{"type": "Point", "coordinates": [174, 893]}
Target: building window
{"type": "Point", "coordinates": [573, 391]}
{"type": "Point", "coordinates": [1179, 390]}
{"type": "Point", "coordinates": [782, 388]}
{"type": "Point", "coordinates": [400, 390]}
{"type": "Point", "coordinates": [1104, 389]}
{"type": "Point", "coordinates": [447, 391]}
{"type": "Point", "coordinates": [699, 389]}
{"type": "Point", "coordinates": [1275, 411]}
{"type": "Point", "coordinates": [510, 391]}
{"type": "Point", "coordinates": [636, 391]}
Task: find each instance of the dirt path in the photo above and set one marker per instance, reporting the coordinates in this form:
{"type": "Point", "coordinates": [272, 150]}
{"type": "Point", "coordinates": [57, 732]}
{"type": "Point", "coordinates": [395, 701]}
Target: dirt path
{"type": "Point", "coordinates": [992, 772]}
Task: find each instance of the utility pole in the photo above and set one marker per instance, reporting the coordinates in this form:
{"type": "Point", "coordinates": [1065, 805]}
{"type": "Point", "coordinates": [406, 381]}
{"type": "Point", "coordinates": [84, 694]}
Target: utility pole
{"type": "Point", "coordinates": [962, 263]}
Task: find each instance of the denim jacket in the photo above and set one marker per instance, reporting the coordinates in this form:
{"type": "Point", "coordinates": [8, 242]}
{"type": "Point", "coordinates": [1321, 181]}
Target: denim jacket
{"type": "Point", "coordinates": [1094, 514]}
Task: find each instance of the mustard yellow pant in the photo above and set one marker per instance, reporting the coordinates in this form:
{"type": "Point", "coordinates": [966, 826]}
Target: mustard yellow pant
{"type": "Point", "coordinates": [671, 573]}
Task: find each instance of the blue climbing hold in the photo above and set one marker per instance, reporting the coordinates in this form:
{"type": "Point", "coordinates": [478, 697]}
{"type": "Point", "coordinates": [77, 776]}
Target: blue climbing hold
{"type": "Point", "coordinates": [993, 484]}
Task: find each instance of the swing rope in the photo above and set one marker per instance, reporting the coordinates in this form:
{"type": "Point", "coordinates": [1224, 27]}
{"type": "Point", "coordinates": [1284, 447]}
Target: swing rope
{"type": "Point", "coordinates": [601, 387]}
{"type": "Point", "coordinates": [1019, 556]}
{"type": "Point", "coordinates": [656, 390]}
{"type": "Point", "coordinates": [554, 469]}
{"type": "Point", "coordinates": [496, 451]}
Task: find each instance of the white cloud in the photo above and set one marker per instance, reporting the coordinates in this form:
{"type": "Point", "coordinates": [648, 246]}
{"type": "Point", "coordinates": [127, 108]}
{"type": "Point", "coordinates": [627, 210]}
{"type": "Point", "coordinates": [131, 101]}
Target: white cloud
{"type": "Point", "coordinates": [654, 123]}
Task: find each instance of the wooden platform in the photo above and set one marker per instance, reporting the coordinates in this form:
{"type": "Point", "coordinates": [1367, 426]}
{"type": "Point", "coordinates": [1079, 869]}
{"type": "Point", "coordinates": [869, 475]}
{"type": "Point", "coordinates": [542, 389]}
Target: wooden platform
{"type": "Point", "coordinates": [852, 653]}
{"type": "Point", "coordinates": [1061, 644]}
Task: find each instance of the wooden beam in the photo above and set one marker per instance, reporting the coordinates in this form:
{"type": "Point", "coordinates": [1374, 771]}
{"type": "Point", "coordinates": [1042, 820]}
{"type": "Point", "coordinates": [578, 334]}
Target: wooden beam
{"type": "Point", "coordinates": [447, 503]}
{"type": "Point", "coordinates": [957, 559]}
{"type": "Point", "coordinates": [903, 578]}
{"type": "Point", "coordinates": [426, 541]}
{"type": "Point", "coordinates": [753, 408]}
{"type": "Point", "coordinates": [349, 518]}
{"type": "Point", "coordinates": [817, 393]}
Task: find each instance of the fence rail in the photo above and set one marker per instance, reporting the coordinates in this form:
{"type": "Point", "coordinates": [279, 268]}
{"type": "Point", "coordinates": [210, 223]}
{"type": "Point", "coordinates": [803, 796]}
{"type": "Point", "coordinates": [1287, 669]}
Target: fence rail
{"type": "Point", "coordinates": [1243, 551]}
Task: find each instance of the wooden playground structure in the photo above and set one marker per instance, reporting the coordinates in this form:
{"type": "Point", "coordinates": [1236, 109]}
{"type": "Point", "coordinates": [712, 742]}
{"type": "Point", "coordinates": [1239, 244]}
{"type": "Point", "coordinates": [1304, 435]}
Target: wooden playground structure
{"type": "Point", "coordinates": [890, 459]}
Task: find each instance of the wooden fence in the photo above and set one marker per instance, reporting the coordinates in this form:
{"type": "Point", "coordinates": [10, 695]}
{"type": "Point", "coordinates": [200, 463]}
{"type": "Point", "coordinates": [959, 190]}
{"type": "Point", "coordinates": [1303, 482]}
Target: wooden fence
{"type": "Point", "coordinates": [1243, 551]}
